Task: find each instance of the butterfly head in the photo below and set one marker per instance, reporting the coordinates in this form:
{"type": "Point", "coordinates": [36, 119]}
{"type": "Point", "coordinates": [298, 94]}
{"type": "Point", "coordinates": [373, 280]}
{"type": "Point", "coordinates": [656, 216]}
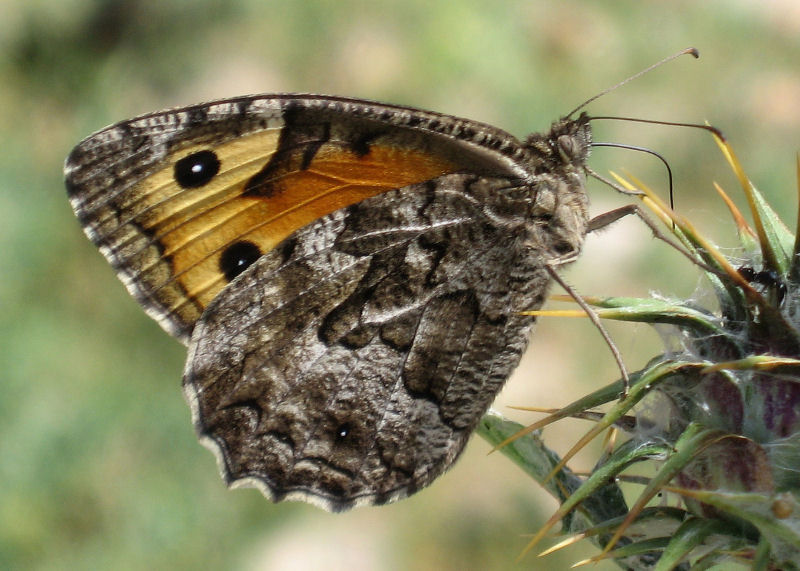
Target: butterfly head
{"type": "Point", "coordinates": [559, 162]}
{"type": "Point", "coordinates": [566, 145]}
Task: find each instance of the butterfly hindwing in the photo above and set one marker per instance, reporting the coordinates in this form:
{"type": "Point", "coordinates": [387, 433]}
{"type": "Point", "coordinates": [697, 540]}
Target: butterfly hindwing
{"type": "Point", "coordinates": [350, 364]}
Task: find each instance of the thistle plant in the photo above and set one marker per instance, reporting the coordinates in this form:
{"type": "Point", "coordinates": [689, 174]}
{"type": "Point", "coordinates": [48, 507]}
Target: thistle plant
{"type": "Point", "coordinates": [723, 465]}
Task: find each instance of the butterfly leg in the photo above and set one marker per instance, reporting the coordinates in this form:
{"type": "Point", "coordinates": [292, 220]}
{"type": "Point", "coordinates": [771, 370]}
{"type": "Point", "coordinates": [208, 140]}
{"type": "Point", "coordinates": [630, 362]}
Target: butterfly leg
{"type": "Point", "coordinates": [595, 319]}
{"type": "Point", "coordinates": [597, 223]}
{"type": "Point", "coordinates": [608, 218]}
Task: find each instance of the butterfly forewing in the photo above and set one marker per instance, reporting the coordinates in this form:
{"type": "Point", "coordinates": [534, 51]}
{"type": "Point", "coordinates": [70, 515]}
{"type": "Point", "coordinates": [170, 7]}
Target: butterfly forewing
{"type": "Point", "coordinates": [164, 196]}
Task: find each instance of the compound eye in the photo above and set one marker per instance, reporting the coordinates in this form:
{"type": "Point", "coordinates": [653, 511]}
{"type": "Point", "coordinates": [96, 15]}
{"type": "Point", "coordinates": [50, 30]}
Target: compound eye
{"type": "Point", "coordinates": [566, 147]}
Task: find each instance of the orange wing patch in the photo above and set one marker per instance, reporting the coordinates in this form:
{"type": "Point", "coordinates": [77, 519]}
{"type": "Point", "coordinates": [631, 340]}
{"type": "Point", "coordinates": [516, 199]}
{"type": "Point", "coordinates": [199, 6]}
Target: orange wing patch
{"type": "Point", "coordinates": [194, 226]}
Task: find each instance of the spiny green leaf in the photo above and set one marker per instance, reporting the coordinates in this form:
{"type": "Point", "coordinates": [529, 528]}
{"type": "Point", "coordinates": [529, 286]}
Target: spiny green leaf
{"type": "Point", "coordinates": [694, 532]}
{"type": "Point", "coordinates": [783, 533]}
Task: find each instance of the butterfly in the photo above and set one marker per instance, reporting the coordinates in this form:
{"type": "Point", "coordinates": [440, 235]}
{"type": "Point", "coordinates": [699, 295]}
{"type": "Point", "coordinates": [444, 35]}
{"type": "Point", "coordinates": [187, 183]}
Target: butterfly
{"type": "Point", "coordinates": [349, 276]}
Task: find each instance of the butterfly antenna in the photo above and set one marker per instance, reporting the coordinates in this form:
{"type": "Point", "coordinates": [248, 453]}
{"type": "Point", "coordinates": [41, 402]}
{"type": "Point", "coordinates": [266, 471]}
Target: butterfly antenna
{"type": "Point", "coordinates": [710, 128]}
{"type": "Point", "coordinates": [650, 152]}
{"type": "Point", "coordinates": [693, 51]}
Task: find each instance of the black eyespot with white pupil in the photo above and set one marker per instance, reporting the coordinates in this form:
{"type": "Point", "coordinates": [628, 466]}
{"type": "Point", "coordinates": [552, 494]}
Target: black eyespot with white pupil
{"type": "Point", "coordinates": [197, 169]}
{"type": "Point", "coordinates": [342, 431]}
{"type": "Point", "coordinates": [237, 258]}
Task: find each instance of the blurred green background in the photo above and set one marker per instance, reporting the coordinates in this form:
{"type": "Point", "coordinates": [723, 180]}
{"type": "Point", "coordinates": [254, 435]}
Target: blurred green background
{"type": "Point", "coordinates": [99, 466]}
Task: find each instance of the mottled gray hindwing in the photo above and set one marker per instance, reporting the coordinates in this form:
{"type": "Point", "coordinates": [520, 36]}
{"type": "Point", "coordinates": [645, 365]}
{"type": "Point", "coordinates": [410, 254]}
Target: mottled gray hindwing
{"type": "Point", "coordinates": [350, 365]}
